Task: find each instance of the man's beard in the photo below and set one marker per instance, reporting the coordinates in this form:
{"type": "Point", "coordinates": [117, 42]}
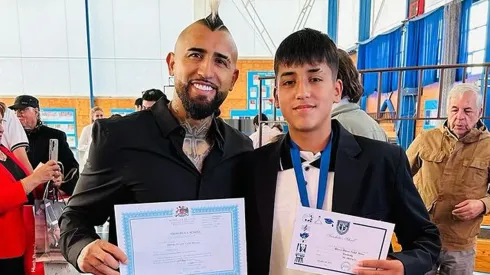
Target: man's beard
{"type": "Point", "coordinates": [29, 129]}
{"type": "Point", "coordinates": [199, 108]}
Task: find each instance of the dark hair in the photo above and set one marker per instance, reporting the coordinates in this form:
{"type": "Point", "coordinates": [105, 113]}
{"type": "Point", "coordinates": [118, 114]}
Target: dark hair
{"type": "Point", "coordinates": [138, 102]}
{"type": "Point", "coordinates": [307, 46]}
{"type": "Point", "coordinates": [213, 22]}
{"type": "Point", "coordinates": [349, 76]}
{"type": "Point", "coordinates": [153, 95]}
{"type": "Point", "coordinates": [263, 117]}
{"type": "Point", "coordinates": [115, 116]}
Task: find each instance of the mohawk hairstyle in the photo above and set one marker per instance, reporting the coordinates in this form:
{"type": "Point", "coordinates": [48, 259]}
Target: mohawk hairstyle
{"type": "Point", "coordinates": [307, 46]}
{"type": "Point", "coordinates": [213, 21]}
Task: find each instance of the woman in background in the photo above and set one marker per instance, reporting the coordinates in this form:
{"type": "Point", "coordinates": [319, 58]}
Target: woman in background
{"type": "Point", "coordinates": [86, 136]}
{"type": "Point", "coordinates": [15, 185]}
{"type": "Point", "coordinates": [347, 111]}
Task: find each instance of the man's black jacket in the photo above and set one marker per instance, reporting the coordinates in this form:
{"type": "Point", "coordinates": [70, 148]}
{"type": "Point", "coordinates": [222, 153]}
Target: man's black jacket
{"type": "Point", "coordinates": [139, 159]}
{"type": "Point", "coordinates": [372, 180]}
{"type": "Point", "coordinates": [39, 152]}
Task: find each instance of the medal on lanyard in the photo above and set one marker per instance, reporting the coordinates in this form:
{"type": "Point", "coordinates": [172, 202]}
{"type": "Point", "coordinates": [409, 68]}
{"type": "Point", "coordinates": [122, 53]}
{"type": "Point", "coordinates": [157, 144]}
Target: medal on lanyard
{"type": "Point", "coordinates": [300, 177]}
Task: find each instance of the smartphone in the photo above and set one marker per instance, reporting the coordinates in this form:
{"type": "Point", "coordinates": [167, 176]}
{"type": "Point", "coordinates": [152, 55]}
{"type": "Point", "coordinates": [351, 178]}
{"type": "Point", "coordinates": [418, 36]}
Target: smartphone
{"type": "Point", "coordinates": [53, 149]}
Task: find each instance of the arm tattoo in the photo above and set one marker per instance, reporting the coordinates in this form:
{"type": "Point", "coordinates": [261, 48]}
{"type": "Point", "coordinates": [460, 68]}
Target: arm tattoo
{"type": "Point", "coordinates": [196, 144]}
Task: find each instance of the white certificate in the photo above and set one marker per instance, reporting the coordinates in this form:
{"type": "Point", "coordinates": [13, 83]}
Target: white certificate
{"type": "Point", "coordinates": [189, 237]}
{"type": "Point", "coordinates": [331, 243]}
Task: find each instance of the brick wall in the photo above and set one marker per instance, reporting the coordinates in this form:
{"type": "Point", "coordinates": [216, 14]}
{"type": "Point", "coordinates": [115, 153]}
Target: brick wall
{"type": "Point", "coordinates": [237, 99]}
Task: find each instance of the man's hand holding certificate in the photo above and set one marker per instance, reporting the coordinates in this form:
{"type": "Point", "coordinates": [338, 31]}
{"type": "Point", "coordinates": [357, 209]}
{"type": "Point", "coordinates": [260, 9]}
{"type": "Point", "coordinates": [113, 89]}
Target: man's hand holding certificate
{"type": "Point", "coordinates": [373, 267]}
{"type": "Point", "coordinates": [332, 243]}
{"type": "Point", "coordinates": [178, 238]}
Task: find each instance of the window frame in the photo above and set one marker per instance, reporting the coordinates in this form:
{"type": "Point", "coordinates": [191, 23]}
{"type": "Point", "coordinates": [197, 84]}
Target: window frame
{"type": "Point", "coordinates": [476, 70]}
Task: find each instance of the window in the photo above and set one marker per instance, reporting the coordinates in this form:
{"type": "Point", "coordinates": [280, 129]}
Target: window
{"type": "Point", "coordinates": [440, 47]}
{"type": "Point", "coordinates": [348, 32]}
{"type": "Point", "coordinates": [431, 5]}
{"type": "Point", "coordinates": [386, 15]}
{"type": "Point", "coordinates": [477, 35]}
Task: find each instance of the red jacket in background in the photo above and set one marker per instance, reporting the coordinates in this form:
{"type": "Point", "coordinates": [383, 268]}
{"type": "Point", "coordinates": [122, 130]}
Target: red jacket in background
{"type": "Point", "coordinates": [13, 231]}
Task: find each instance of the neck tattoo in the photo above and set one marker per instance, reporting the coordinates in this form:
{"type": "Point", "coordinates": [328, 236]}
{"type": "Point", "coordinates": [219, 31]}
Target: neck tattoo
{"type": "Point", "coordinates": [196, 144]}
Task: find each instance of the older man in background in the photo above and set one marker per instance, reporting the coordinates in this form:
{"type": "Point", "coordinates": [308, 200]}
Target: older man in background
{"type": "Point", "coordinates": [28, 112]}
{"type": "Point", "coordinates": [450, 165]}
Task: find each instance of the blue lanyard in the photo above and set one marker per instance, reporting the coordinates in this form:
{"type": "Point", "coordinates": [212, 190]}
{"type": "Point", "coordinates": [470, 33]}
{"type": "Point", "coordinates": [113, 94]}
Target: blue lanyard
{"type": "Point", "coordinates": [300, 178]}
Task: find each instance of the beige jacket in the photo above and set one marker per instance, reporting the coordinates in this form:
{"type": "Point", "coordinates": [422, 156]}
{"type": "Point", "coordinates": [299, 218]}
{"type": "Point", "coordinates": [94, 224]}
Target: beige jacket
{"type": "Point", "coordinates": [448, 171]}
{"type": "Point", "coordinates": [358, 122]}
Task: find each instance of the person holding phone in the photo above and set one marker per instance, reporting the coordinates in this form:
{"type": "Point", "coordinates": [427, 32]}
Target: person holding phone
{"type": "Point", "coordinates": [28, 111]}
{"type": "Point", "coordinates": [16, 182]}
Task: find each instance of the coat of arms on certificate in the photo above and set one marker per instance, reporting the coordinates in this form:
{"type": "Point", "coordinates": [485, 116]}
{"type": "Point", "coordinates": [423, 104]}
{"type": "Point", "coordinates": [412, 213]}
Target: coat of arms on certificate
{"type": "Point", "coordinates": [182, 211]}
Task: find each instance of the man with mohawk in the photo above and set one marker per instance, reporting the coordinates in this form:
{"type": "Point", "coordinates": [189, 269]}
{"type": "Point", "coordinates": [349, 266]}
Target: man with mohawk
{"type": "Point", "coordinates": [184, 152]}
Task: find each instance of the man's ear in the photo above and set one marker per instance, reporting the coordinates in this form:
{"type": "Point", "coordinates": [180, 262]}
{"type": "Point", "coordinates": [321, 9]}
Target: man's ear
{"type": "Point", "coordinates": [171, 63]}
{"type": "Point", "coordinates": [339, 87]}
{"type": "Point", "coordinates": [236, 73]}
{"type": "Point", "coordinates": [276, 99]}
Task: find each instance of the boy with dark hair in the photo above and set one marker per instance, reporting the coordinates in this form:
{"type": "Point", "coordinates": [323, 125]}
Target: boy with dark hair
{"type": "Point", "coordinates": [360, 177]}
{"type": "Point", "coordinates": [138, 104]}
{"type": "Point", "coordinates": [150, 97]}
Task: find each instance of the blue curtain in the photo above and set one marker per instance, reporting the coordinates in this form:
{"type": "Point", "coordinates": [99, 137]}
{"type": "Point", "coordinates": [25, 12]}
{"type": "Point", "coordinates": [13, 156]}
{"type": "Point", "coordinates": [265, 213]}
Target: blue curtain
{"type": "Point", "coordinates": [383, 51]}
{"type": "Point", "coordinates": [423, 40]}
{"type": "Point", "coordinates": [406, 129]}
{"type": "Point", "coordinates": [424, 46]}
{"type": "Point", "coordinates": [464, 28]}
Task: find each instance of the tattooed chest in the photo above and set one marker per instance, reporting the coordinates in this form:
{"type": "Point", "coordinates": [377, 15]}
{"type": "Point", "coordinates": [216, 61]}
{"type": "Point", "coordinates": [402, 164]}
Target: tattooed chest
{"type": "Point", "coordinates": [196, 145]}
{"type": "Point", "coordinates": [196, 149]}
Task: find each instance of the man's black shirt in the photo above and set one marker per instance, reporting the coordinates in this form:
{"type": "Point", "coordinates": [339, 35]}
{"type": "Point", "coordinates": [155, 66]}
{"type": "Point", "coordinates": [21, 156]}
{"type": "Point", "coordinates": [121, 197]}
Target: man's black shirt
{"type": "Point", "coordinates": [139, 159]}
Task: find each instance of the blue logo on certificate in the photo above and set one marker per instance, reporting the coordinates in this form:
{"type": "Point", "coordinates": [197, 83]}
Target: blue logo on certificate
{"type": "Point", "coordinates": [304, 235]}
{"type": "Point", "coordinates": [342, 227]}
